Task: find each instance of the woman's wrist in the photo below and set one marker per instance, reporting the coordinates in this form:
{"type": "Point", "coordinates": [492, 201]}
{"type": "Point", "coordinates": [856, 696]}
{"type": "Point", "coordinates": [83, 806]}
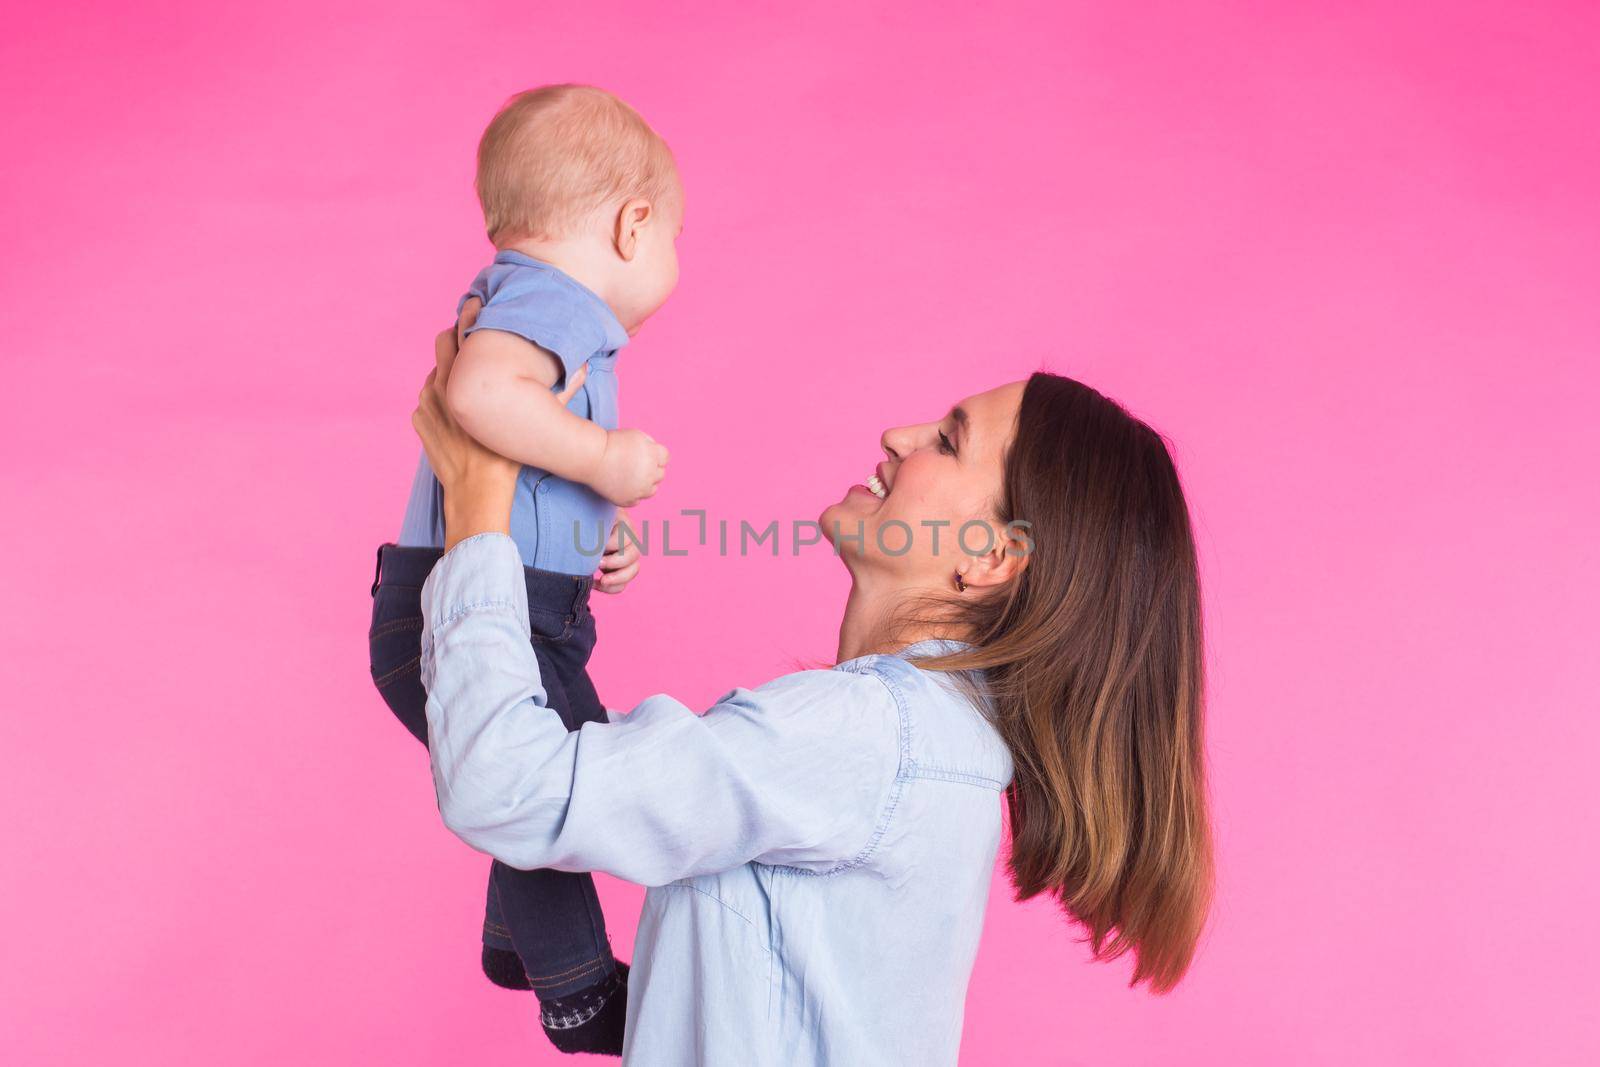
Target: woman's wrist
{"type": "Point", "coordinates": [476, 507]}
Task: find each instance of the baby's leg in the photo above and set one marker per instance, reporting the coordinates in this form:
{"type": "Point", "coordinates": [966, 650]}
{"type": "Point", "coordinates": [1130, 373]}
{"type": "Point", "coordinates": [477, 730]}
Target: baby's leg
{"type": "Point", "coordinates": [395, 650]}
{"type": "Point", "coordinates": [554, 917]}
{"type": "Point", "coordinates": [394, 640]}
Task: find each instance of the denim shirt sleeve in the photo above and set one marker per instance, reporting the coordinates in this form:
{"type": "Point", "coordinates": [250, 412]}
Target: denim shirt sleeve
{"type": "Point", "coordinates": [799, 772]}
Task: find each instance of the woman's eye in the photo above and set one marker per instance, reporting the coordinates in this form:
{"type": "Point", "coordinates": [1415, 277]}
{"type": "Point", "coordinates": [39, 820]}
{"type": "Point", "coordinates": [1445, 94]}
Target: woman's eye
{"type": "Point", "coordinates": [945, 445]}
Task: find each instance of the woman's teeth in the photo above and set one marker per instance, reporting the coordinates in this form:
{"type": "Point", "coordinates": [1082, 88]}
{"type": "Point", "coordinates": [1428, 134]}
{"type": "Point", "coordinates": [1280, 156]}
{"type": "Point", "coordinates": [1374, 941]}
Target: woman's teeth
{"type": "Point", "coordinates": [875, 487]}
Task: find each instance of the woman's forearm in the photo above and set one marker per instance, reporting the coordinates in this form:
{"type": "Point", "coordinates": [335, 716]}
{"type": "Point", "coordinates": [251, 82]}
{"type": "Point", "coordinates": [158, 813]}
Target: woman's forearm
{"type": "Point", "coordinates": [475, 508]}
{"type": "Point", "coordinates": [799, 771]}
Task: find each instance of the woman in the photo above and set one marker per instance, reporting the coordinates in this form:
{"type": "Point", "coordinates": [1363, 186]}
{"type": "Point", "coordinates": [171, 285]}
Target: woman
{"type": "Point", "coordinates": [819, 849]}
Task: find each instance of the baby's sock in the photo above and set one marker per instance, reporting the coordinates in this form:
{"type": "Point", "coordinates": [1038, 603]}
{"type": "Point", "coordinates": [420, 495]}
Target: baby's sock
{"type": "Point", "coordinates": [590, 1020]}
{"type": "Point", "coordinates": [504, 968]}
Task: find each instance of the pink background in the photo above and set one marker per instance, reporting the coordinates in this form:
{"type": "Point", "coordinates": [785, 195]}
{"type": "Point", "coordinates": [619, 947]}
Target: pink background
{"type": "Point", "coordinates": [1343, 254]}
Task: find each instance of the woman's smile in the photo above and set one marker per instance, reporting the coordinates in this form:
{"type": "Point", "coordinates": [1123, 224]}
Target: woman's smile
{"type": "Point", "coordinates": [881, 481]}
{"type": "Point", "coordinates": [878, 484]}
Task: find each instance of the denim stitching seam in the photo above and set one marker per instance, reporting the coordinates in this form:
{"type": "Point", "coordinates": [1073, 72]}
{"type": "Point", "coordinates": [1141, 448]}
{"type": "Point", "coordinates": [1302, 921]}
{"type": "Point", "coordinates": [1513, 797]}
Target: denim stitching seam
{"type": "Point", "coordinates": [712, 896]}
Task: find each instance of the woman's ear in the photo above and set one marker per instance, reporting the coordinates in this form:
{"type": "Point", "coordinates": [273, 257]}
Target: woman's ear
{"type": "Point", "coordinates": [632, 218]}
{"type": "Point", "coordinates": [1005, 558]}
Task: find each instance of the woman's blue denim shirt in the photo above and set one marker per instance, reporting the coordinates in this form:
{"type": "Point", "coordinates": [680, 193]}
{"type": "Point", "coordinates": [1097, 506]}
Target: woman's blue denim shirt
{"type": "Point", "coordinates": [558, 525]}
{"type": "Point", "coordinates": [818, 849]}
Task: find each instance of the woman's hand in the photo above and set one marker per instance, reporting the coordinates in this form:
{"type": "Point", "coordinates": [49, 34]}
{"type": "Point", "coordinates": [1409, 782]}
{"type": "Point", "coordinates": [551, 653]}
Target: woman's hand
{"type": "Point", "coordinates": [478, 484]}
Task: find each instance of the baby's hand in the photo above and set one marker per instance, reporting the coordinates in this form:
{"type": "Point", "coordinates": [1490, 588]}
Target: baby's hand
{"type": "Point", "coordinates": [631, 468]}
{"type": "Point", "coordinates": [621, 562]}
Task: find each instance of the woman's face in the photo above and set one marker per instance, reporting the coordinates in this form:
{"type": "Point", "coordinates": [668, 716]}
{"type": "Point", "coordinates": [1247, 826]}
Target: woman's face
{"type": "Point", "coordinates": [941, 483]}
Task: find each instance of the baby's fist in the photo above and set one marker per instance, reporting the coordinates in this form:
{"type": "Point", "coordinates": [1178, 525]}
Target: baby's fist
{"type": "Point", "coordinates": [632, 467]}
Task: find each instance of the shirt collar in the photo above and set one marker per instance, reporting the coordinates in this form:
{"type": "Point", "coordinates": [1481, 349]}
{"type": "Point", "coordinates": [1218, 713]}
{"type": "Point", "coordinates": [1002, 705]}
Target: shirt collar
{"type": "Point", "coordinates": [933, 646]}
{"type": "Point", "coordinates": [584, 297]}
{"type": "Point", "coordinates": [925, 649]}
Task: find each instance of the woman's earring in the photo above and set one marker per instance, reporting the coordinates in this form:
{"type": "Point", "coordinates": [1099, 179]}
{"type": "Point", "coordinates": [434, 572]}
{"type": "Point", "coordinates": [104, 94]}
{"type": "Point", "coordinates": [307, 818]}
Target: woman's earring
{"type": "Point", "coordinates": [961, 586]}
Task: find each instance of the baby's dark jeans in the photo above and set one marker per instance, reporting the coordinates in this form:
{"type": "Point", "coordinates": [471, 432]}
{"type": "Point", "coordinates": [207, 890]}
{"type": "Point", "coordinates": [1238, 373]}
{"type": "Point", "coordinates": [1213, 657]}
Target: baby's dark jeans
{"type": "Point", "coordinates": [551, 919]}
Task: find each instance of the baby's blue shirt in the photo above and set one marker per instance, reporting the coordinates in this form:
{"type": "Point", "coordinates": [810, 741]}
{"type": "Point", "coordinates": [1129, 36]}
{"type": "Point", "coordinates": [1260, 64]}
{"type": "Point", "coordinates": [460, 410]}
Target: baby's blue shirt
{"type": "Point", "coordinates": [557, 525]}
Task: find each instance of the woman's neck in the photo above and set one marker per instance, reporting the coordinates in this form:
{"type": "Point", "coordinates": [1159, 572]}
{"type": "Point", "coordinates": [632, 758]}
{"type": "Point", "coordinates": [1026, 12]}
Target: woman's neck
{"type": "Point", "coordinates": [875, 621]}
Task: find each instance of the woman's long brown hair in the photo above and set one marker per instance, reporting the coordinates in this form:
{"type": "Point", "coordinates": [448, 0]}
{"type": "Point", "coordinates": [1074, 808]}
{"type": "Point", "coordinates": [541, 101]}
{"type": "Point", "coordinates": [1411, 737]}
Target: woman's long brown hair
{"type": "Point", "coordinates": [1091, 661]}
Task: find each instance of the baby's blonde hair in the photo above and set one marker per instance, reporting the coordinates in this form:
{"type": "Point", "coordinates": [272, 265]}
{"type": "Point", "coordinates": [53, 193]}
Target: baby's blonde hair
{"type": "Point", "coordinates": [555, 154]}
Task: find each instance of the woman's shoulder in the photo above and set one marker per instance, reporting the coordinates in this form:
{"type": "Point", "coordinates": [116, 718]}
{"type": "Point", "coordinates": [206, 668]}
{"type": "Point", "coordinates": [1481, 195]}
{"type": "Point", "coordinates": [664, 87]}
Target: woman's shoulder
{"type": "Point", "coordinates": [907, 682]}
{"type": "Point", "coordinates": [805, 701]}
{"type": "Point", "coordinates": [830, 693]}
{"type": "Point", "coordinates": [946, 727]}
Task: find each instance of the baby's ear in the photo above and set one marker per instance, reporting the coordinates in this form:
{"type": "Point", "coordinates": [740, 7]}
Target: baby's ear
{"type": "Point", "coordinates": [632, 218]}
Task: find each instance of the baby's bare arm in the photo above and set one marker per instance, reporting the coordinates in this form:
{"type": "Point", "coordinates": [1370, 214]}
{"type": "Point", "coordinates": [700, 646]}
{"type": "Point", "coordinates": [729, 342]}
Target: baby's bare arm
{"type": "Point", "coordinates": [499, 392]}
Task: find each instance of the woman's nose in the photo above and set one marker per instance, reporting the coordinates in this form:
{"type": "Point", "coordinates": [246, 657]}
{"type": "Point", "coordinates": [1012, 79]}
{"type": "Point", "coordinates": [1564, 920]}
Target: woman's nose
{"type": "Point", "coordinates": [895, 443]}
{"type": "Point", "coordinates": [900, 441]}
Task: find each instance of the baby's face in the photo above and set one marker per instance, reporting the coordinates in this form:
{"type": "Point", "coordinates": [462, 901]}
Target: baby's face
{"type": "Point", "coordinates": [653, 273]}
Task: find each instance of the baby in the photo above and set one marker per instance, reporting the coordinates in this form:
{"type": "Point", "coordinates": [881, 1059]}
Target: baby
{"type": "Point", "coordinates": [583, 204]}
